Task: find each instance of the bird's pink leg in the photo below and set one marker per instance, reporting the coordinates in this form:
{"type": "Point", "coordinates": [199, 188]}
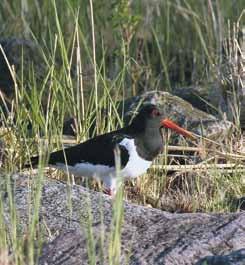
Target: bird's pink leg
{"type": "Point", "coordinates": [108, 191]}
{"type": "Point", "coordinates": [109, 186]}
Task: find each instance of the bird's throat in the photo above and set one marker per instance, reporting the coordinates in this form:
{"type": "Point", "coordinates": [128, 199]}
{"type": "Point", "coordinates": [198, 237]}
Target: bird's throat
{"type": "Point", "coordinates": [149, 144]}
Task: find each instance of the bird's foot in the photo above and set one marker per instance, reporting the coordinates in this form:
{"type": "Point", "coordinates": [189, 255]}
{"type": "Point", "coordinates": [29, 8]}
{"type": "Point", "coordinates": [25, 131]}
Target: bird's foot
{"type": "Point", "coordinates": [109, 191]}
{"type": "Point", "coordinates": [110, 186]}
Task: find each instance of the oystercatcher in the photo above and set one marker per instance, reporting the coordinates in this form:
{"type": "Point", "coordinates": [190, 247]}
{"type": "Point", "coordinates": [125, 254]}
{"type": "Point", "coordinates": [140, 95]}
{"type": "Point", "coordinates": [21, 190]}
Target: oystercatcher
{"type": "Point", "coordinates": [139, 143]}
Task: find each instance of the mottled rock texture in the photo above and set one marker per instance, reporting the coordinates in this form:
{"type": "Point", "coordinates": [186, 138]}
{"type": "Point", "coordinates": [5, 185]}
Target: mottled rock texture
{"type": "Point", "coordinates": [179, 110]}
{"type": "Point", "coordinates": [149, 236]}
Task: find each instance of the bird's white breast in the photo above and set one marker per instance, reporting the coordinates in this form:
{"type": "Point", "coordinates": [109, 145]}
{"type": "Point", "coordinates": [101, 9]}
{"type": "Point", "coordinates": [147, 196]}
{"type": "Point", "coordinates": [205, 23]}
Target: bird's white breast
{"type": "Point", "coordinates": [136, 165]}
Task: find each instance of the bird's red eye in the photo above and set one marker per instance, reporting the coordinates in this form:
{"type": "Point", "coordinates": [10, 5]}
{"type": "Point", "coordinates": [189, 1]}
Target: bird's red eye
{"type": "Point", "coordinates": [155, 113]}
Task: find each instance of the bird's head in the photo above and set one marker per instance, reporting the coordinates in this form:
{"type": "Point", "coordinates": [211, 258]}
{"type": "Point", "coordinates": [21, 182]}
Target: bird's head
{"type": "Point", "coordinates": [150, 116]}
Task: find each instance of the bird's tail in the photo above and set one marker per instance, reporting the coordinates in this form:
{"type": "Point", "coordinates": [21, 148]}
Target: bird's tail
{"type": "Point", "coordinates": [35, 160]}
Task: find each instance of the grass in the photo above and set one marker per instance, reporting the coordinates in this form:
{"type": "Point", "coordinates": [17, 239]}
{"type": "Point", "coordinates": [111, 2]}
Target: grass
{"type": "Point", "coordinates": [93, 55]}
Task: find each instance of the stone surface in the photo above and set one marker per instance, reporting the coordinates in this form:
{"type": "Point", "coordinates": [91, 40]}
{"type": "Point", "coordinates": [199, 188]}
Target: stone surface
{"type": "Point", "coordinates": [235, 257]}
{"type": "Point", "coordinates": [149, 236]}
{"type": "Point", "coordinates": [18, 52]}
{"type": "Point", "coordinates": [210, 98]}
{"type": "Point", "coordinates": [241, 203]}
{"type": "Point", "coordinates": [173, 107]}
{"type": "Point", "coordinates": [180, 111]}
{"type": "Point", "coordinates": [23, 56]}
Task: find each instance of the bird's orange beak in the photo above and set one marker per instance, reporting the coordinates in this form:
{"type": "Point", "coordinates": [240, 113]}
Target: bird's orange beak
{"type": "Point", "coordinates": [173, 126]}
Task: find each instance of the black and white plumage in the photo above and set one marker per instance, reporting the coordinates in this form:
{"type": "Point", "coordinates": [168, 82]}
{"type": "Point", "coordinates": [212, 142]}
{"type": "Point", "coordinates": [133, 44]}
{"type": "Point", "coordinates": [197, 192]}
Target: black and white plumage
{"type": "Point", "coordinates": [139, 143]}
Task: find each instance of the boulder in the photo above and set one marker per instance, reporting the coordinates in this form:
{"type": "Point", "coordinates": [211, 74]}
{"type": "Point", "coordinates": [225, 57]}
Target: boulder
{"type": "Point", "coordinates": [148, 236]}
{"type": "Point", "coordinates": [235, 257]}
{"type": "Point", "coordinates": [210, 98]}
{"type": "Point", "coordinates": [18, 52]}
{"type": "Point", "coordinates": [22, 56]}
{"type": "Point", "coordinates": [175, 108]}
{"type": "Point", "coordinates": [181, 111]}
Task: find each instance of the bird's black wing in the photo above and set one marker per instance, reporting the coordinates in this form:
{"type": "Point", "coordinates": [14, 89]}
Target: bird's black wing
{"type": "Point", "coordinates": [98, 151]}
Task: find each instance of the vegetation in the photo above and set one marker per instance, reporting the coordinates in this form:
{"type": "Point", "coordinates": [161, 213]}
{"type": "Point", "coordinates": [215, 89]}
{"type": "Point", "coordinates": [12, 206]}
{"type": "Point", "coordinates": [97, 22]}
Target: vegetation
{"type": "Point", "coordinates": [91, 55]}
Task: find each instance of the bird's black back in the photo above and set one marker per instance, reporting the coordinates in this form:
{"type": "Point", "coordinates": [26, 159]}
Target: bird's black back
{"type": "Point", "coordinates": [98, 151]}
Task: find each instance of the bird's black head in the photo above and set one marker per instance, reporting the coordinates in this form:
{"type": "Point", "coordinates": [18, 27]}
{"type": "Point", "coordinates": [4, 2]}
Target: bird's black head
{"type": "Point", "coordinates": [146, 127]}
{"type": "Point", "coordinates": [149, 116]}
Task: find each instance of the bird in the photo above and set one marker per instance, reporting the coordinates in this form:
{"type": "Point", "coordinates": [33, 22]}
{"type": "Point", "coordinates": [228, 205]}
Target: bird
{"type": "Point", "coordinates": [138, 143]}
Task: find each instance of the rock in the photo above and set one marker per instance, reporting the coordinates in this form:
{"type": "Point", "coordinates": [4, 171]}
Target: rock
{"type": "Point", "coordinates": [225, 93]}
{"type": "Point", "coordinates": [56, 251]}
{"type": "Point", "coordinates": [18, 52]}
{"type": "Point", "coordinates": [175, 108]}
{"type": "Point", "coordinates": [23, 56]}
{"type": "Point", "coordinates": [180, 111]}
{"type": "Point", "coordinates": [210, 98]}
{"type": "Point", "coordinates": [234, 258]}
{"type": "Point", "coordinates": [149, 236]}
{"type": "Point", "coordinates": [216, 100]}
{"type": "Point", "coordinates": [69, 127]}
{"type": "Point", "coordinates": [240, 203]}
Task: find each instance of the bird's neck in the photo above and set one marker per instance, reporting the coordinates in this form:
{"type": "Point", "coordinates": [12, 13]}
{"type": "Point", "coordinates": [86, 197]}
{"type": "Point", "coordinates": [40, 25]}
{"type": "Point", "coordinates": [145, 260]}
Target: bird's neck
{"type": "Point", "coordinates": [149, 143]}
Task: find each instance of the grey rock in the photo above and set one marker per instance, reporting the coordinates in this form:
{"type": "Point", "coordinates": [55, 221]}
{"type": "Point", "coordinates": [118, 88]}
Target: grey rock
{"type": "Point", "coordinates": [234, 258]}
{"type": "Point", "coordinates": [210, 98]}
{"type": "Point", "coordinates": [174, 107]}
{"type": "Point", "coordinates": [149, 236]}
{"type": "Point", "coordinates": [18, 52]}
{"type": "Point", "coordinates": [180, 111]}
{"type": "Point", "coordinates": [240, 203]}
{"type": "Point", "coordinates": [69, 127]}
{"type": "Point", "coordinates": [23, 56]}
{"type": "Point", "coordinates": [225, 94]}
